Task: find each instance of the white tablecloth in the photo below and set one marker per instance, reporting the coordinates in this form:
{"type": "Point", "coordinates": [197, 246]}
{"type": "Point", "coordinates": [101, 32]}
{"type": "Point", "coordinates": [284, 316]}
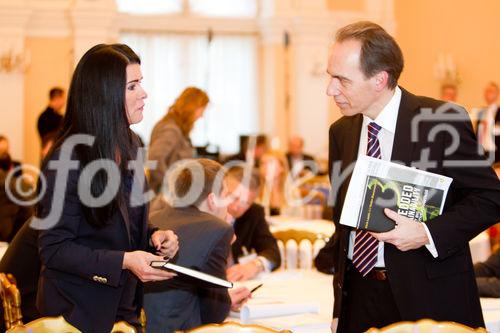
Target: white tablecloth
{"type": "Point", "coordinates": [308, 286]}
{"type": "Point", "coordinates": [480, 247]}
{"type": "Point", "coordinates": [3, 248]}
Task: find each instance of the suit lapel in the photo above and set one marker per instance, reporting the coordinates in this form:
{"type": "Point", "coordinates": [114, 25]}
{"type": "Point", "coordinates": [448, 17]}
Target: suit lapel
{"type": "Point", "coordinates": [350, 147]}
{"type": "Point", "coordinates": [403, 147]}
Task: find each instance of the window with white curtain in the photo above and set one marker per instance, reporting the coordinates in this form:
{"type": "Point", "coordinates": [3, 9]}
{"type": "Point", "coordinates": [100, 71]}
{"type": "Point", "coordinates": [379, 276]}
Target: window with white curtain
{"type": "Point", "coordinates": [150, 6]}
{"type": "Point", "coordinates": [226, 68]}
{"type": "Point", "coordinates": [222, 8]}
{"type": "Point", "coordinates": [216, 8]}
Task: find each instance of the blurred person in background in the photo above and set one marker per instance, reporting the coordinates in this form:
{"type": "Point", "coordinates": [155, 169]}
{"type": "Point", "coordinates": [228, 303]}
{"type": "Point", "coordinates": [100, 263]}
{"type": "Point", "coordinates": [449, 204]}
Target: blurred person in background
{"type": "Point", "coordinates": [273, 172]}
{"type": "Point", "coordinates": [488, 123]}
{"type": "Point", "coordinates": [170, 136]}
{"type": "Point", "coordinates": [255, 249]}
{"type": "Point", "coordinates": [252, 147]}
{"type": "Point", "coordinates": [50, 120]}
{"type": "Point", "coordinates": [449, 93]}
{"type": "Point", "coordinates": [6, 162]}
{"type": "Point", "coordinates": [298, 161]}
{"type": "Point", "coordinates": [13, 213]}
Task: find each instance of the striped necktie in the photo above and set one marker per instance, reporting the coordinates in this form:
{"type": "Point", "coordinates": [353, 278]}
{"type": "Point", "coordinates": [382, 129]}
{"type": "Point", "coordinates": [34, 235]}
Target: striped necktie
{"type": "Point", "coordinates": [365, 249]}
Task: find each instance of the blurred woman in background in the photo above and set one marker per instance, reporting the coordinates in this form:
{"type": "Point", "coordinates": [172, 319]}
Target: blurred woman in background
{"type": "Point", "coordinates": [273, 171]}
{"type": "Point", "coordinates": [170, 137]}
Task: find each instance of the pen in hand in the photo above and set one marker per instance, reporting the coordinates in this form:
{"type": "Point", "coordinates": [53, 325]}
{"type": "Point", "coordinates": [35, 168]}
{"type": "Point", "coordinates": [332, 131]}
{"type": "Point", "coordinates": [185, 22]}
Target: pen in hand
{"type": "Point", "coordinates": [257, 287]}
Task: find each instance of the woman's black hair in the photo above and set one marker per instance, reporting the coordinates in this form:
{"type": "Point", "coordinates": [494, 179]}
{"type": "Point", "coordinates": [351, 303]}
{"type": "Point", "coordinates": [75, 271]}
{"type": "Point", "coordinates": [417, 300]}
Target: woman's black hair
{"type": "Point", "coordinates": [96, 106]}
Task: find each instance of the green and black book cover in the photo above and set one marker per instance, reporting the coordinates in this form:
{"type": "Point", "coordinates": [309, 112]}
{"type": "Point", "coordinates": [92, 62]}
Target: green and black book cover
{"type": "Point", "coordinates": [420, 203]}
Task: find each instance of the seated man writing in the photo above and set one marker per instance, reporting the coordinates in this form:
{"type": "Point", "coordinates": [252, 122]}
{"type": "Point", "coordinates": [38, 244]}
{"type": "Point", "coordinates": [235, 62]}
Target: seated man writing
{"type": "Point", "coordinates": [255, 249]}
{"type": "Point", "coordinates": [195, 213]}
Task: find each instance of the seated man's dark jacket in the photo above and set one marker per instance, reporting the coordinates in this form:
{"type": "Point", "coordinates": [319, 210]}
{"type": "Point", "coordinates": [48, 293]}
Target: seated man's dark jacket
{"type": "Point", "coordinates": [22, 261]}
{"type": "Point", "coordinates": [204, 244]}
{"type": "Point", "coordinates": [253, 233]}
{"type": "Point", "coordinates": [12, 214]}
{"type": "Point", "coordinates": [488, 276]}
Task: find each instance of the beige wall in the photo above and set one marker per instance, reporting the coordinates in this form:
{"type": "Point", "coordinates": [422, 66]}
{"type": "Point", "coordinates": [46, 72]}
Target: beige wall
{"type": "Point", "coordinates": [51, 65]}
{"type": "Point", "coordinates": [468, 30]}
{"type": "Point", "coordinates": [349, 5]}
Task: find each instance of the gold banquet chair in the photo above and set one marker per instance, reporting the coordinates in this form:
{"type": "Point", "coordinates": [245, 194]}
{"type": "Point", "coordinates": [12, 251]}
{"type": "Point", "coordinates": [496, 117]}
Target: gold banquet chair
{"type": "Point", "coordinates": [60, 325]}
{"type": "Point", "coordinates": [123, 327]}
{"type": "Point", "coordinates": [299, 247]}
{"type": "Point", "coordinates": [45, 325]}
{"type": "Point", "coordinates": [11, 300]}
{"type": "Point", "coordinates": [232, 327]}
{"type": "Point", "coordinates": [426, 326]}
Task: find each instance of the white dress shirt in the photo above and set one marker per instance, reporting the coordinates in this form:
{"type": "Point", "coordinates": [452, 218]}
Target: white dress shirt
{"type": "Point", "coordinates": [486, 129]}
{"type": "Point", "coordinates": [386, 119]}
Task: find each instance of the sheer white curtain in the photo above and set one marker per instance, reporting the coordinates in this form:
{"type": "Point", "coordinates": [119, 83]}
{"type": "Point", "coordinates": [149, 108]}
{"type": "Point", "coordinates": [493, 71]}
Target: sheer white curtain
{"type": "Point", "coordinates": [216, 8]}
{"type": "Point", "coordinates": [150, 6]}
{"type": "Point", "coordinates": [221, 8]}
{"type": "Point", "coordinates": [226, 68]}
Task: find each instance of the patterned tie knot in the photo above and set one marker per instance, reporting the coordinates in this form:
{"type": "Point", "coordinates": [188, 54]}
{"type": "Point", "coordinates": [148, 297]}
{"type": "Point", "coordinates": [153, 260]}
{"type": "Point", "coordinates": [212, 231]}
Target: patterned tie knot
{"type": "Point", "coordinates": [373, 129]}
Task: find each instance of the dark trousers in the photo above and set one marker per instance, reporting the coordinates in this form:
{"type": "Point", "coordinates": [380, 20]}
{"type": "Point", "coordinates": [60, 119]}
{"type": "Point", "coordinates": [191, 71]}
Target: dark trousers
{"type": "Point", "coordinates": [366, 303]}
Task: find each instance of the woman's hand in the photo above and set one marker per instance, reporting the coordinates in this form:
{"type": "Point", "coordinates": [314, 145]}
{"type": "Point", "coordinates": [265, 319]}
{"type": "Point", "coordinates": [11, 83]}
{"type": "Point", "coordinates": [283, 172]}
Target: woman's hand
{"type": "Point", "coordinates": [165, 242]}
{"type": "Point", "coordinates": [138, 262]}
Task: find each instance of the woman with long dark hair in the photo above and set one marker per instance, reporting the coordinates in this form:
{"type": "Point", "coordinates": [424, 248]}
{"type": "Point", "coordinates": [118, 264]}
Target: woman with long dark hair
{"type": "Point", "coordinates": [94, 250]}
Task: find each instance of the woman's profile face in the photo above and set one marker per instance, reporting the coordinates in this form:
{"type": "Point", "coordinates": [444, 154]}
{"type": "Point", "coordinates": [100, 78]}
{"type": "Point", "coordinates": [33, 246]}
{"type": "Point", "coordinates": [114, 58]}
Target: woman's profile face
{"type": "Point", "coordinates": [134, 94]}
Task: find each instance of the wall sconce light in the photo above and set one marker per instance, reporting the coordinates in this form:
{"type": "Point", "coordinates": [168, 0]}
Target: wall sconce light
{"type": "Point", "coordinates": [11, 61]}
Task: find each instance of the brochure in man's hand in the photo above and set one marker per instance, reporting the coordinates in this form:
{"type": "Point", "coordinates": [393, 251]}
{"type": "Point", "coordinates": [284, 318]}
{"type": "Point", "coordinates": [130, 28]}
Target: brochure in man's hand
{"type": "Point", "coordinates": [192, 273]}
{"type": "Point", "coordinates": [377, 184]}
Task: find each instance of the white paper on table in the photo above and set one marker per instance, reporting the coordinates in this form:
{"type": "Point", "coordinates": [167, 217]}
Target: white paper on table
{"type": "Point", "coordinates": [297, 322]}
{"type": "Point", "coordinates": [490, 304]}
{"type": "Point", "coordinates": [265, 308]}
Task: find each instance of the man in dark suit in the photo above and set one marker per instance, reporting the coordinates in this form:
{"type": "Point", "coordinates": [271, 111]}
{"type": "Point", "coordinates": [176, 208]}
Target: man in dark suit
{"type": "Point", "coordinates": [297, 160]}
{"type": "Point", "coordinates": [251, 147]}
{"type": "Point", "coordinates": [22, 261]}
{"type": "Point", "coordinates": [488, 123]}
{"type": "Point", "coordinates": [50, 120]}
{"type": "Point", "coordinates": [417, 269]}
{"type": "Point", "coordinates": [255, 249]}
{"type": "Point", "coordinates": [195, 214]}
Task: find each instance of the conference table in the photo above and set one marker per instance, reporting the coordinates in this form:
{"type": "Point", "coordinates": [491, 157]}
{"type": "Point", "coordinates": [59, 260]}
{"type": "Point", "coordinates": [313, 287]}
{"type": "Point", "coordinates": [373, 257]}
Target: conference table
{"type": "Point", "coordinates": [302, 301]}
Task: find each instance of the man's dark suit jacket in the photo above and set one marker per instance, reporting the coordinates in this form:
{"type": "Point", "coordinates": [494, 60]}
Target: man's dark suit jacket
{"type": "Point", "coordinates": [82, 276]}
{"type": "Point", "coordinates": [12, 215]}
{"type": "Point", "coordinates": [204, 244]}
{"type": "Point", "coordinates": [48, 123]}
{"type": "Point", "coordinates": [488, 276]}
{"type": "Point", "coordinates": [442, 288]}
{"type": "Point", "coordinates": [253, 233]}
{"type": "Point", "coordinates": [497, 137]}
